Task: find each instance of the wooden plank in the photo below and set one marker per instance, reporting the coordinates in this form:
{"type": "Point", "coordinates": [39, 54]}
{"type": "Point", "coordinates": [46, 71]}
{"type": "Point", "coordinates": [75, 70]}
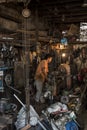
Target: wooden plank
{"type": "Point", "coordinates": [41, 32]}
{"type": "Point", "coordinates": [26, 31]}
{"type": "Point", "coordinates": [10, 13]}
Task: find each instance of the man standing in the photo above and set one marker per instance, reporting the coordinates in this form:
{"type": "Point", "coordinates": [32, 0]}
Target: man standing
{"type": "Point", "coordinates": [41, 75]}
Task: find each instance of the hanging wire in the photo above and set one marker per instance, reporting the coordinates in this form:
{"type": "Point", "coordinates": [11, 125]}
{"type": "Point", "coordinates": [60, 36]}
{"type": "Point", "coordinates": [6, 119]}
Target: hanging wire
{"type": "Point", "coordinates": [27, 3]}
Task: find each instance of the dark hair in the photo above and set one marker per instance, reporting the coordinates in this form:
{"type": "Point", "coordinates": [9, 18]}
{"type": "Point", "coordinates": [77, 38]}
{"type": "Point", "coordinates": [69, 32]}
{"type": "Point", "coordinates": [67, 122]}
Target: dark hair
{"type": "Point", "coordinates": [48, 56]}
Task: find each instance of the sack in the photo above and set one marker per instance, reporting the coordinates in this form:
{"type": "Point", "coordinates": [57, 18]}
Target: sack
{"type": "Point", "coordinates": [71, 126]}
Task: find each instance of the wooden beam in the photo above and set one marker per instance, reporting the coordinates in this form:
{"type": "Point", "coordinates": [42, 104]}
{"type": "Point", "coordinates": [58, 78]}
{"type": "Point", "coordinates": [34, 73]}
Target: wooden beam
{"type": "Point", "coordinates": [26, 31]}
{"type": "Point", "coordinates": [59, 2]}
{"type": "Point", "coordinates": [40, 32]}
{"type": "Point", "coordinates": [8, 24]}
{"type": "Point", "coordinates": [78, 19]}
{"type": "Point", "coordinates": [11, 14]}
{"type": "Point", "coordinates": [7, 1]}
{"type": "Point", "coordinates": [67, 15]}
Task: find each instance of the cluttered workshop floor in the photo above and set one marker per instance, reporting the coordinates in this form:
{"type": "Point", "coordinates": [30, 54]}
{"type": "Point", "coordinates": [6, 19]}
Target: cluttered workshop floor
{"type": "Point", "coordinates": [81, 116]}
{"type": "Point", "coordinates": [53, 110]}
{"type": "Point", "coordinates": [39, 107]}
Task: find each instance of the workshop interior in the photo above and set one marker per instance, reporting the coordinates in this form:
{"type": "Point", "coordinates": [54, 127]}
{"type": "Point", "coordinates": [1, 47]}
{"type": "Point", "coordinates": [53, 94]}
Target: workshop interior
{"type": "Point", "coordinates": [36, 92]}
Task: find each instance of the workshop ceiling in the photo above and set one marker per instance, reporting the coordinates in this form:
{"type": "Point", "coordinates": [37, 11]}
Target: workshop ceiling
{"type": "Point", "coordinates": [67, 11]}
{"type": "Point", "coordinates": [51, 11]}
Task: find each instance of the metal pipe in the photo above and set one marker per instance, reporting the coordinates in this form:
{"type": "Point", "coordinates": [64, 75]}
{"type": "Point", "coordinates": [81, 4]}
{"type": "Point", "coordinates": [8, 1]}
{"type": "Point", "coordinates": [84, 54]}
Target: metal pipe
{"type": "Point", "coordinates": [19, 101]}
{"type": "Point", "coordinates": [14, 89]}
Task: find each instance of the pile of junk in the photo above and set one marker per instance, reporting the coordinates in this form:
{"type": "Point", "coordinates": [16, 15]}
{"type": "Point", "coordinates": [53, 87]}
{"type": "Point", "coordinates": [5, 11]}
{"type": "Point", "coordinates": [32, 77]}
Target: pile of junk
{"type": "Point", "coordinates": [58, 115]}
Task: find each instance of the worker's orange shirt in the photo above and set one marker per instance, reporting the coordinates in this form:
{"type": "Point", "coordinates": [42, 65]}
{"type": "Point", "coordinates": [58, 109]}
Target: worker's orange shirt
{"type": "Point", "coordinates": [42, 70]}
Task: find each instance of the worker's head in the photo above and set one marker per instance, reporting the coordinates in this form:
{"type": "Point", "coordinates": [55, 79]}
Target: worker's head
{"type": "Point", "coordinates": [48, 57]}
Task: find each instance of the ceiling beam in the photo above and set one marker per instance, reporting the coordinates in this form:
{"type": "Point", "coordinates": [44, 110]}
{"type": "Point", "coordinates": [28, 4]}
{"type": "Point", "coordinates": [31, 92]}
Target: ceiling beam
{"type": "Point", "coordinates": [7, 1]}
{"type": "Point", "coordinates": [11, 14]}
{"type": "Point", "coordinates": [8, 24]}
{"type": "Point", "coordinates": [51, 10]}
{"type": "Point", "coordinates": [70, 20]}
{"type": "Point", "coordinates": [60, 2]}
{"type": "Point", "coordinates": [69, 15]}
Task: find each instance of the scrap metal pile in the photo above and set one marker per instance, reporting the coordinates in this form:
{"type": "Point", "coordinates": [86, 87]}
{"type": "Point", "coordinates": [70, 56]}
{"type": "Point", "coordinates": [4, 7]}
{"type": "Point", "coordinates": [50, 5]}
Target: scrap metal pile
{"type": "Point", "coordinates": [59, 115]}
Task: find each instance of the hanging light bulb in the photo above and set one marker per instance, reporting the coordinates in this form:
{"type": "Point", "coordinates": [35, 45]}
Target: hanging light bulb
{"type": "Point", "coordinates": [26, 13]}
{"type": "Point", "coordinates": [63, 55]}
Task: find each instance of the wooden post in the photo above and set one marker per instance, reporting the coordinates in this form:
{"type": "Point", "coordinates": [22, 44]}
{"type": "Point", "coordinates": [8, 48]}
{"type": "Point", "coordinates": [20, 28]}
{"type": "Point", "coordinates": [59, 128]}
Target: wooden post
{"type": "Point", "coordinates": [27, 92]}
{"type": "Point", "coordinates": [36, 24]}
